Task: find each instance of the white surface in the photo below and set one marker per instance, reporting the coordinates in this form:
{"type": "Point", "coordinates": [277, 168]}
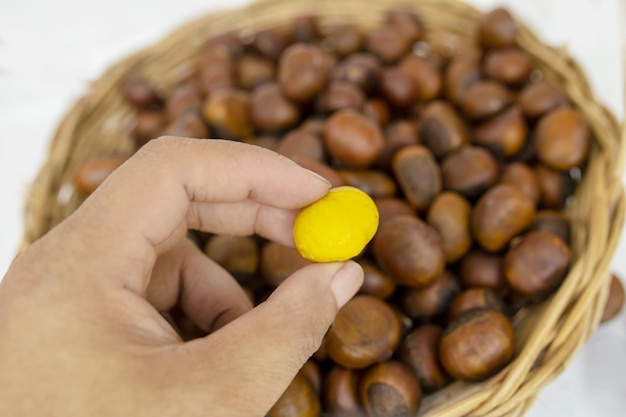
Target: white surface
{"type": "Point", "coordinates": [50, 50]}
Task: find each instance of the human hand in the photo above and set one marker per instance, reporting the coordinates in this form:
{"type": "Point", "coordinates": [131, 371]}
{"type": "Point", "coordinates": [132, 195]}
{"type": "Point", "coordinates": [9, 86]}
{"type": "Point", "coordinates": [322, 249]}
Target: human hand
{"type": "Point", "coordinates": [80, 328]}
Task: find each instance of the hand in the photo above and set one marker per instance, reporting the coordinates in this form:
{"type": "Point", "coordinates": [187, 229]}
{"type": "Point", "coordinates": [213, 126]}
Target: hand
{"type": "Point", "coordinates": [80, 328]}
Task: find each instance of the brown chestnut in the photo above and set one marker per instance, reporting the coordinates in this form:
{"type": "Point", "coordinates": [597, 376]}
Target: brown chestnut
{"type": "Point", "coordinates": [303, 71]}
{"type": "Point", "coordinates": [556, 187]}
{"type": "Point", "coordinates": [524, 178]}
{"type": "Point", "coordinates": [615, 301]}
{"type": "Point", "coordinates": [92, 172]}
{"type": "Point", "coordinates": [497, 29]}
{"type": "Point", "coordinates": [537, 263]}
{"type": "Point", "coordinates": [554, 222]}
{"type": "Point", "coordinates": [388, 44]}
{"type": "Point", "coordinates": [269, 43]}
{"type": "Point", "coordinates": [149, 125]}
{"type": "Point", "coordinates": [482, 269]}
{"type": "Point", "coordinates": [320, 168]}
{"type": "Point", "coordinates": [140, 92]}
{"type": "Point", "coordinates": [398, 134]}
{"type": "Point", "coordinates": [459, 76]}
{"type": "Point", "coordinates": [391, 207]}
{"type": "Point", "coordinates": [500, 214]}
{"type": "Point", "coordinates": [429, 303]}
{"type": "Point", "coordinates": [420, 352]}
{"type": "Point", "coordinates": [239, 255]}
{"type": "Point", "coordinates": [377, 110]}
{"type": "Point", "coordinates": [298, 400]}
{"type": "Point", "coordinates": [366, 331]}
{"type": "Point", "coordinates": [227, 110]}
{"type": "Point", "coordinates": [449, 214]}
{"type": "Point", "coordinates": [475, 298]}
{"type": "Point", "coordinates": [426, 78]}
{"type": "Point", "coordinates": [540, 98]}
{"type": "Point", "coordinates": [340, 394]}
{"type": "Point", "coordinates": [299, 143]}
{"type": "Point", "coordinates": [418, 175]}
{"type": "Point", "coordinates": [375, 281]}
{"type": "Point", "coordinates": [344, 39]}
{"type": "Point", "coordinates": [362, 69]}
{"type": "Point", "coordinates": [484, 99]}
{"type": "Point", "coordinates": [410, 250]}
{"type": "Point", "coordinates": [376, 184]}
{"type": "Point", "coordinates": [390, 389]}
{"type": "Point", "coordinates": [477, 344]}
{"type": "Point", "coordinates": [340, 95]}
{"type": "Point", "coordinates": [312, 372]}
{"type": "Point", "coordinates": [398, 87]}
{"type": "Point", "coordinates": [270, 109]}
{"type": "Point", "coordinates": [405, 22]}
{"type": "Point", "coordinates": [469, 171]}
{"type": "Point", "coordinates": [189, 124]}
{"type": "Point", "coordinates": [278, 262]}
{"type": "Point", "coordinates": [562, 139]}
{"type": "Point", "coordinates": [252, 71]}
{"type": "Point", "coordinates": [183, 98]}
{"type": "Point", "coordinates": [510, 66]}
{"type": "Point", "coordinates": [353, 139]}
{"type": "Point", "coordinates": [441, 129]}
{"type": "Point", "coordinates": [504, 134]}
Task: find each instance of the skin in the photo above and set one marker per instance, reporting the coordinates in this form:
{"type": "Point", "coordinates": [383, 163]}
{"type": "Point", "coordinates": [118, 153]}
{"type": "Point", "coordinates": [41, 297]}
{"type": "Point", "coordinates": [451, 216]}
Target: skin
{"type": "Point", "coordinates": [80, 329]}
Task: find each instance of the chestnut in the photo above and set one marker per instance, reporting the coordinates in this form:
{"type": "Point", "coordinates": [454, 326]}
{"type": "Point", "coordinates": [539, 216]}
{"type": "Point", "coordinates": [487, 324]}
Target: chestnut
{"type": "Point", "coordinates": [183, 98]}
{"type": "Point", "coordinates": [92, 172]}
{"type": "Point", "coordinates": [366, 331]}
{"type": "Point", "coordinates": [391, 207]}
{"type": "Point", "coordinates": [556, 187]}
{"type": "Point", "coordinates": [510, 66]}
{"type": "Point", "coordinates": [562, 139]}
{"type": "Point", "coordinates": [460, 74]}
{"type": "Point", "coordinates": [441, 129]}
{"type": "Point", "coordinates": [418, 175]}
{"type": "Point", "coordinates": [469, 171]}
{"type": "Point", "coordinates": [362, 69]}
{"type": "Point", "coordinates": [398, 134]}
{"type": "Point", "coordinates": [149, 125]}
{"type": "Point", "coordinates": [252, 71]}
{"type": "Point", "coordinates": [303, 71]}
{"type": "Point", "coordinates": [188, 124]}
{"type": "Point", "coordinates": [377, 110]}
{"type": "Point", "coordinates": [320, 168]}
{"type": "Point", "coordinates": [449, 214]}
{"type": "Point", "coordinates": [554, 222]}
{"type": "Point", "coordinates": [298, 400]}
{"type": "Point", "coordinates": [270, 110]}
{"type": "Point", "coordinates": [278, 262]}
{"type": "Point", "coordinates": [497, 29]}
{"type": "Point", "coordinates": [340, 95]}
{"type": "Point", "coordinates": [388, 44]}
{"type": "Point", "coordinates": [524, 178]}
{"type": "Point", "coordinates": [484, 99]}
{"type": "Point", "coordinates": [405, 22]}
{"type": "Point", "coordinates": [500, 214]}
{"type": "Point", "coordinates": [376, 282]}
{"type": "Point", "coordinates": [503, 134]}
{"type": "Point", "coordinates": [537, 263]}
{"type": "Point", "coordinates": [269, 43]}
{"type": "Point", "coordinates": [476, 298]}
{"type": "Point", "coordinates": [313, 373]}
{"type": "Point", "coordinates": [410, 250]}
{"type": "Point", "coordinates": [227, 110]}
{"type": "Point", "coordinates": [477, 344]}
{"type": "Point", "coordinates": [540, 98]}
{"type": "Point", "coordinates": [390, 389]}
{"type": "Point", "coordinates": [344, 39]}
{"type": "Point", "coordinates": [340, 394]}
{"type": "Point", "coordinates": [482, 269]}
{"type": "Point", "coordinates": [420, 352]}
{"type": "Point", "coordinates": [398, 87]}
{"type": "Point", "coordinates": [300, 143]}
{"type": "Point", "coordinates": [140, 92]}
{"type": "Point", "coordinates": [429, 303]}
{"type": "Point", "coordinates": [376, 184]}
{"type": "Point", "coordinates": [305, 28]}
{"type": "Point", "coordinates": [352, 139]}
{"type": "Point", "coordinates": [239, 255]}
{"type": "Point", "coordinates": [615, 301]}
{"type": "Point", "coordinates": [426, 78]}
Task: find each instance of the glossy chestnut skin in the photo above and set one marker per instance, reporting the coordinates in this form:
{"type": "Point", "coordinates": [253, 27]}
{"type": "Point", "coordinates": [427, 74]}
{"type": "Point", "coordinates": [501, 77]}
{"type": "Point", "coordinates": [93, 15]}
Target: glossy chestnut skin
{"type": "Point", "coordinates": [562, 139]}
{"type": "Point", "coordinates": [477, 344]}
{"type": "Point", "coordinates": [92, 173]}
{"type": "Point", "coordinates": [340, 95]}
{"type": "Point", "coordinates": [390, 389]}
{"type": "Point", "coordinates": [344, 39]}
{"type": "Point", "coordinates": [340, 394]}
{"type": "Point", "coordinates": [377, 184]}
{"type": "Point", "coordinates": [426, 78]}
{"type": "Point", "coordinates": [302, 144]}
{"type": "Point", "coordinates": [140, 92]}
{"type": "Point", "coordinates": [389, 208]}
{"type": "Point", "coordinates": [482, 269]}
{"type": "Point", "coordinates": [497, 29]}
{"type": "Point", "coordinates": [366, 331]}
{"type": "Point", "coordinates": [554, 222]}
{"type": "Point", "coordinates": [362, 69]}
{"type": "Point", "coordinates": [420, 352]}
{"type": "Point", "coordinates": [227, 110]}
{"type": "Point", "coordinates": [398, 87]}
{"type": "Point", "coordinates": [540, 98]}
{"type": "Point", "coordinates": [500, 214]}
{"type": "Point", "coordinates": [441, 129]}
{"type": "Point", "coordinates": [320, 168]}
{"type": "Point", "coordinates": [510, 66]}
{"type": "Point", "coordinates": [303, 71]}
{"type": "Point", "coordinates": [278, 262]}
{"type": "Point", "coordinates": [556, 187]}
{"type": "Point", "coordinates": [252, 71]}
{"type": "Point", "coordinates": [405, 22]}
{"type": "Point", "coordinates": [398, 134]}
{"type": "Point", "coordinates": [473, 299]}
{"type": "Point", "coordinates": [429, 303]}
{"type": "Point", "coordinates": [188, 124]}
{"type": "Point", "coordinates": [388, 44]}
{"type": "Point", "coordinates": [460, 74]}
{"type": "Point", "coordinates": [503, 134]}
{"type": "Point", "coordinates": [450, 214]}
{"type": "Point", "coordinates": [149, 125]}
{"type": "Point", "coordinates": [537, 263]}
{"type": "Point", "coordinates": [352, 139]}
{"type": "Point", "coordinates": [484, 99]}
{"type": "Point", "coordinates": [524, 178]}
{"type": "Point", "coordinates": [375, 281]}
{"type": "Point", "coordinates": [270, 110]}
{"type": "Point", "coordinates": [615, 301]}
{"type": "Point", "coordinates": [410, 250]}
{"type": "Point", "coordinates": [239, 255]}
{"type": "Point", "coordinates": [313, 373]}
{"type": "Point", "coordinates": [183, 98]}
{"type": "Point", "coordinates": [377, 110]}
{"type": "Point", "coordinates": [469, 171]}
{"type": "Point", "coordinates": [418, 175]}
{"type": "Point", "coordinates": [298, 400]}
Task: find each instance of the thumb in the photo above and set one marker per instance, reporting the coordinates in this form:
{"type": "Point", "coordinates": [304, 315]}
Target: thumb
{"type": "Point", "coordinates": [260, 352]}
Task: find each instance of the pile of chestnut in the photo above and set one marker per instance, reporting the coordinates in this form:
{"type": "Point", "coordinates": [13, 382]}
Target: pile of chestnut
{"type": "Point", "coordinates": [469, 155]}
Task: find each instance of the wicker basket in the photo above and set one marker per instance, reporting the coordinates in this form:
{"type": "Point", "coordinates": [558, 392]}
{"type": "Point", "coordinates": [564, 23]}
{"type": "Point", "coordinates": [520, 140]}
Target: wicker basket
{"type": "Point", "coordinates": [549, 334]}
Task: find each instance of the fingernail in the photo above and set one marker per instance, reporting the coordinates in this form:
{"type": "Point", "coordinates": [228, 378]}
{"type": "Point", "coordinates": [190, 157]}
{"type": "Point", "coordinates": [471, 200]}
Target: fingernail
{"type": "Point", "coordinates": [319, 177]}
{"type": "Point", "coordinates": [346, 282]}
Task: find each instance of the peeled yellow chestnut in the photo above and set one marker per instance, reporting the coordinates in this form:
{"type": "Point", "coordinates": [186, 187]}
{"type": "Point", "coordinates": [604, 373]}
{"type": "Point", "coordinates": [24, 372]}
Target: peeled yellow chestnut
{"type": "Point", "coordinates": [366, 331]}
{"type": "Point", "coordinates": [418, 174]}
{"type": "Point", "coordinates": [537, 263]}
{"type": "Point", "coordinates": [500, 214]}
{"type": "Point", "coordinates": [410, 250]}
{"type": "Point", "coordinates": [450, 216]}
{"type": "Point", "coordinates": [390, 389]}
{"type": "Point", "coordinates": [420, 352]}
{"type": "Point", "coordinates": [477, 344]}
{"type": "Point", "coordinates": [298, 400]}
{"type": "Point", "coordinates": [615, 302]}
{"type": "Point", "coordinates": [429, 303]}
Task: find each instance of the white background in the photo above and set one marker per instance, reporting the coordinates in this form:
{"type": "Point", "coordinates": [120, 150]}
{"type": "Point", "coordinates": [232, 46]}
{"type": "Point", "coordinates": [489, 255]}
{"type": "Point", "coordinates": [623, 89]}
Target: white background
{"type": "Point", "coordinates": [50, 50]}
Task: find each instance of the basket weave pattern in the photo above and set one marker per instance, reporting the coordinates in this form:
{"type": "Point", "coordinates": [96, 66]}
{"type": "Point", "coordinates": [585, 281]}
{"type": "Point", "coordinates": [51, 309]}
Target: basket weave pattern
{"type": "Point", "coordinates": [549, 333]}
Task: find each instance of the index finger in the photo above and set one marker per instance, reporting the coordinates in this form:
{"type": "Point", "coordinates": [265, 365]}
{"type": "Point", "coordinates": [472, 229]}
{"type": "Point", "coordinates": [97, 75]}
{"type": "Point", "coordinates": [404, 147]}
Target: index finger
{"type": "Point", "coordinates": [146, 200]}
